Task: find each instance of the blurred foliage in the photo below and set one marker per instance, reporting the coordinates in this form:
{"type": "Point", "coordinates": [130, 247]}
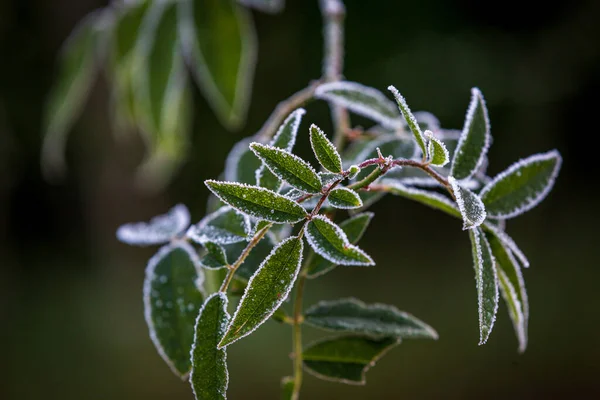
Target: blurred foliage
{"type": "Point", "coordinates": [69, 293]}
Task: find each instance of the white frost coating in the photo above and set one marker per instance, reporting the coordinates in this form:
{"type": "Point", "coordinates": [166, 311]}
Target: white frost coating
{"type": "Point", "coordinates": [477, 237]}
{"type": "Point", "coordinates": [347, 245]}
{"type": "Point", "coordinates": [344, 206]}
{"type": "Point", "coordinates": [510, 295]}
{"type": "Point", "coordinates": [202, 232]}
{"type": "Point", "coordinates": [496, 291]}
{"type": "Point", "coordinates": [510, 243]}
{"type": "Point", "coordinates": [332, 149]}
{"type": "Point", "coordinates": [324, 92]}
{"type": "Point", "coordinates": [150, 275]}
{"type": "Point", "coordinates": [473, 213]}
{"type": "Point", "coordinates": [530, 202]}
{"type": "Point", "coordinates": [476, 96]}
{"type": "Point", "coordinates": [225, 300]}
{"type": "Point", "coordinates": [429, 135]}
{"type": "Point", "coordinates": [231, 163]}
{"type": "Point", "coordinates": [393, 183]}
{"type": "Point", "coordinates": [259, 173]}
{"type": "Point", "coordinates": [281, 298]}
{"type": "Point", "coordinates": [295, 117]}
{"type": "Point", "coordinates": [411, 118]}
{"type": "Point", "coordinates": [159, 230]}
{"type": "Point", "coordinates": [287, 153]}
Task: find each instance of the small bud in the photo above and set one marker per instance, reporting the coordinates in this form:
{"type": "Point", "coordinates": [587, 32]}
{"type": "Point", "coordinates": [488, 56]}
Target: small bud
{"type": "Point", "coordinates": [354, 170]}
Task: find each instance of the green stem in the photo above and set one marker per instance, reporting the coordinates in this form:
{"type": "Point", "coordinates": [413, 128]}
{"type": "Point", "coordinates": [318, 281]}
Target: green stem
{"type": "Point", "coordinates": [363, 183]}
{"type": "Point", "coordinates": [234, 267]}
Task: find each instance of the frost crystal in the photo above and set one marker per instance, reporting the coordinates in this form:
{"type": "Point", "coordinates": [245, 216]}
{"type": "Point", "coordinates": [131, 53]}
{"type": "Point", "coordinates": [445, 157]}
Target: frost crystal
{"type": "Point", "coordinates": [224, 226]}
{"type": "Point", "coordinates": [470, 205]}
{"type": "Point", "coordinates": [159, 230]}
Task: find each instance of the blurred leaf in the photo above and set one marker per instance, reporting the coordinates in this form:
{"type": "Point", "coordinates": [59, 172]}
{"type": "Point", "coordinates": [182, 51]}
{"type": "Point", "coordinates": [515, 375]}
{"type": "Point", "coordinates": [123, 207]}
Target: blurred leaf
{"type": "Point", "coordinates": [324, 150]}
{"type": "Point", "coordinates": [215, 256]}
{"type": "Point", "coordinates": [254, 259]}
{"type": "Point", "coordinates": [438, 154]}
{"type": "Point", "coordinates": [487, 283]}
{"type": "Point", "coordinates": [389, 145]}
{"type": "Point", "coordinates": [224, 226]}
{"type": "Point", "coordinates": [258, 202]}
{"type": "Point", "coordinates": [159, 230]}
{"type": "Point", "coordinates": [270, 6]}
{"type": "Point", "coordinates": [362, 100]}
{"type": "Point", "coordinates": [76, 71]}
{"type": "Point", "coordinates": [429, 198]}
{"type": "Point", "coordinates": [470, 205]}
{"type": "Point", "coordinates": [342, 197]}
{"type": "Point", "coordinates": [163, 98]}
{"type": "Point", "coordinates": [172, 298]}
{"type": "Point", "coordinates": [508, 243]}
{"type": "Point", "coordinates": [287, 388]}
{"type": "Point", "coordinates": [522, 186]}
{"type": "Point", "coordinates": [289, 167]}
{"type": "Point", "coordinates": [353, 316]}
{"type": "Point", "coordinates": [345, 359]}
{"type": "Point", "coordinates": [266, 290]}
{"type": "Point", "coordinates": [512, 286]}
{"type": "Point", "coordinates": [474, 140]}
{"type": "Point", "coordinates": [241, 163]}
{"type": "Point", "coordinates": [220, 45]}
{"type": "Point", "coordinates": [330, 242]}
{"type": "Point", "coordinates": [285, 138]}
{"type": "Point", "coordinates": [410, 120]}
{"type": "Point", "coordinates": [280, 315]}
{"type": "Point", "coordinates": [209, 377]}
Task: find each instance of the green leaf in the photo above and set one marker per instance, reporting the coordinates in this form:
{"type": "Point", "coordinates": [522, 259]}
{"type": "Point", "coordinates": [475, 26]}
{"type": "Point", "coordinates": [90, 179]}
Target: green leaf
{"type": "Point", "coordinates": [266, 290]}
{"type": "Point", "coordinates": [342, 197]}
{"type": "Point", "coordinates": [285, 138]}
{"type": "Point", "coordinates": [362, 100]}
{"type": "Point", "coordinates": [487, 283]}
{"type": "Point", "coordinates": [287, 388]}
{"type": "Point", "coordinates": [353, 316]}
{"type": "Point", "coordinates": [437, 153]}
{"type": "Point", "coordinates": [289, 167]}
{"type": "Point", "coordinates": [215, 257]}
{"type": "Point", "coordinates": [508, 242]}
{"type": "Point", "coordinates": [410, 119]}
{"type": "Point", "coordinates": [324, 150]}
{"type": "Point", "coordinates": [470, 205]}
{"type": "Point", "coordinates": [241, 163]}
{"type": "Point", "coordinates": [330, 242]}
{"type": "Point", "coordinates": [432, 199]}
{"type": "Point", "coordinates": [522, 186]}
{"type": "Point", "coordinates": [219, 41]}
{"type": "Point", "coordinates": [209, 377]}
{"type": "Point", "coordinates": [253, 260]}
{"type": "Point", "coordinates": [512, 287]}
{"type": "Point", "coordinates": [77, 69]}
{"type": "Point", "coordinates": [257, 202]}
{"type": "Point", "coordinates": [474, 140]}
{"type": "Point", "coordinates": [224, 226]}
{"type": "Point", "coordinates": [172, 298]}
{"type": "Point", "coordinates": [346, 359]}
{"type": "Point", "coordinates": [270, 6]}
{"type": "Point", "coordinates": [354, 228]}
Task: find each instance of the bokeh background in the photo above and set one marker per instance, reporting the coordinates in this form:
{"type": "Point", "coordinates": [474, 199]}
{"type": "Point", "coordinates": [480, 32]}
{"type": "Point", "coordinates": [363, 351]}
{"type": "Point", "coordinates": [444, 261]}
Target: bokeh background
{"type": "Point", "coordinates": [71, 319]}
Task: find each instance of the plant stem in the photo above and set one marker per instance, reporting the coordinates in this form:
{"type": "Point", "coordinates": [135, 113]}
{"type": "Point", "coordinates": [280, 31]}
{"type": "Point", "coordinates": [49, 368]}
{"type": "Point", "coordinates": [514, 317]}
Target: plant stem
{"type": "Point", "coordinates": [234, 267]}
{"type": "Point", "coordinates": [297, 328]}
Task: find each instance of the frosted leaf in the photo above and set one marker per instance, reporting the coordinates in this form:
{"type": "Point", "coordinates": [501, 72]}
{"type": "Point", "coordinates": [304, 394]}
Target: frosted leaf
{"type": "Point", "coordinates": [257, 202]}
{"type": "Point", "coordinates": [324, 150]}
{"type": "Point", "coordinates": [474, 141]}
{"type": "Point", "coordinates": [330, 242]}
{"type": "Point", "coordinates": [329, 177]}
{"type": "Point", "coordinates": [173, 281]}
{"type": "Point", "coordinates": [427, 121]}
{"type": "Point", "coordinates": [486, 279]}
{"type": "Point", "coordinates": [436, 151]}
{"type": "Point", "coordinates": [215, 256]}
{"type": "Point", "coordinates": [287, 388]}
{"type": "Point", "coordinates": [470, 205]}
{"type": "Point", "coordinates": [159, 230]}
{"type": "Point", "coordinates": [254, 258]}
{"type": "Point", "coordinates": [353, 316]}
{"type": "Point", "coordinates": [410, 119]}
{"type": "Point", "coordinates": [522, 186]}
{"type": "Point", "coordinates": [508, 242]}
{"type": "Point", "coordinates": [345, 359]}
{"type": "Point", "coordinates": [224, 226]}
{"type": "Point", "coordinates": [353, 171]}
{"type": "Point", "coordinates": [431, 199]}
{"type": "Point", "coordinates": [344, 198]}
{"type": "Point", "coordinates": [362, 100]}
{"type": "Point", "coordinates": [288, 167]}
{"type": "Point", "coordinates": [209, 377]}
{"type": "Point", "coordinates": [270, 6]}
{"type": "Point", "coordinates": [241, 163]}
{"type": "Point", "coordinates": [266, 290]}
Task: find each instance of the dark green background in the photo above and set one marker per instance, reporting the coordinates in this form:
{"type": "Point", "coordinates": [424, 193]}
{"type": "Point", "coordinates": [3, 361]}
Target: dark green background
{"type": "Point", "coordinates": [71, 320]}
